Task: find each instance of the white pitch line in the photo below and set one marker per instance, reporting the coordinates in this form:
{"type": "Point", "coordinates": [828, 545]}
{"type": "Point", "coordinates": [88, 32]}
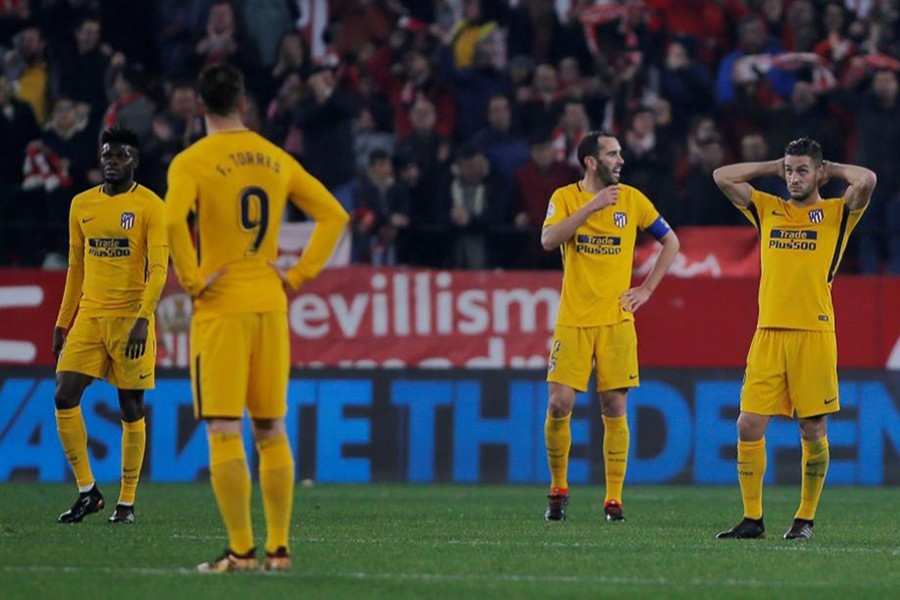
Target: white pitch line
{"type": "Point", "coordinates": [463, 577]}
{"type": "Point", "coordinates": [812, 549]}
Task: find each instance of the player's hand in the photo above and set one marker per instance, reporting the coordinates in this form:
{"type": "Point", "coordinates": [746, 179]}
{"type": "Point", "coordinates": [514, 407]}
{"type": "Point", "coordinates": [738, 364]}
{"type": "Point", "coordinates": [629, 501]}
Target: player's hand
{"type": "Point", "coordinates": [605, 197]}
{"type": "Point", "coordinates": [59, 340]}
{"type": "Point", "coordinates": [826, 174]}
{"type": "Point", "coordinates": [633, 299]}
{"type": "Point", "coordinates": [137, 339]}
{"type": "Point", "coordinates": [213, 277]}
{"type": "Point", "coordinates": [779, 168]}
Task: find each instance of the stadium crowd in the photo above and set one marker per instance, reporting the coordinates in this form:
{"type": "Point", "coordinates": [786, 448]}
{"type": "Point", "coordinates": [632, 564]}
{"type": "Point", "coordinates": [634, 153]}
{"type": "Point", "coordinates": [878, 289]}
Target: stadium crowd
{"type": "Point", "coordinates": [443, 127]}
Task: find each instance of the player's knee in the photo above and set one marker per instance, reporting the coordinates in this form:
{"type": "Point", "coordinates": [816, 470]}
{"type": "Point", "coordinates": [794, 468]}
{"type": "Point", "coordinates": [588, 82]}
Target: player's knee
{"type": "Point", "coordinates": [561, 402]}
{"type": "Point", "coordinates": [612, 404]}
{"type": "Point", "coordinates": [813, 429]}
{"type": "Point", "coordinates": [132, 408]}
{"type": "Point", "coordinates": [66, 396]}
{"type": "Point", "coordinates": [268, 428]}
{"type": "Point", "coordinates": [750, 428]}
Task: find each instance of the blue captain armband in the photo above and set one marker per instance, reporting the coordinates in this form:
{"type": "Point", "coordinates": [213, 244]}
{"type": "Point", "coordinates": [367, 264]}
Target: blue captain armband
{"type": "Point", "coordinates": [659, 229]}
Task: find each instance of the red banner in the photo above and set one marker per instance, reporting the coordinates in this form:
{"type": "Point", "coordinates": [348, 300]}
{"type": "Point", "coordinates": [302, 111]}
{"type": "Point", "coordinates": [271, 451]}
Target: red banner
{"type": "Point", "coordinates": [706, 252]}
{"type": "Point", "coordinates": [363, 317]}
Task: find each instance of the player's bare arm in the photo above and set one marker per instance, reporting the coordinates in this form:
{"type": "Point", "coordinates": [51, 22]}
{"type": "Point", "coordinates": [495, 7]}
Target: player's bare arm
{"type": "Point", "coordinates": [636, 297]}
{"type": "Point", "coordinates": [861, 182]}
{"type": "Point", "coordinates": [559, 233]}
{"type": "Point", "coordinates": [733, 179]}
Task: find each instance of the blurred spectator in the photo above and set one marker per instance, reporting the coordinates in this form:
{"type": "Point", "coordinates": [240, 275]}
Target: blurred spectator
{"type": "Point", "coordinates": [471, 30]}
{"type": "Point", "coordinates": [381, 213]}
{"type": "Point", "coordinates": [753, 40]}
{"type": "Point", "coordinates": [130, 106]}
{"type": "Point", "coordinates": [404, 77]}
{"type": "Point", "coordinates": [222, 42]}
{"type": "Point", "coordinates": [537, 108]}
{"type": "Point", "coordinates": [172, 130]}
{"type": "Point", "coordinates": [836, 48]}
{"type": "Point", "coordinates": [425, 155]}
{"type": "Point", "coordinates": [68, 166]}
{"type": "Point", "coordinates": [279, 126]}
{"type": "Point", "coordinates": [700, 204]}
{"type": "Point", "coordinates": [648, 156]}
{"type": "Point", "coordinates": [371, 134]}
{"type": "Point", "coordinates": [573, 124]}
{"type": "Point", "coordinates": [17, 129]}
{"type": "Point", "coordinates": [808, 115]}
{"type": "Point", "coordinates": [471, 210]}
{"type": "Point", "coordinates": [505, 150]}
{"type": "Point", "coordinates": [474, 85]}
{"type": "Point", "coordinates": [755, 149]}
{"type": "Point", "coordinates": [59, 18]}
{"type": "Point", "coordinates": [802, 30]}
{"type": "Point", "coordinates": [27, 68]}
{"type": "Point", "coordinates": [292, 57]}
{"type": "Point", "coordinates": [266, 22]}
{"type": "Point", "coordinates": [80, 71]}
{"type": "Point", "coordinates": [686, 84]}
{"type": "Point", "coordinates": [878, 127]}
{"type": "Point", "coordinates": [535, 182]}
{"type": "Point", "coordinates": [535, 31]}
{"type": "Point", "coordinates": [325, 116]}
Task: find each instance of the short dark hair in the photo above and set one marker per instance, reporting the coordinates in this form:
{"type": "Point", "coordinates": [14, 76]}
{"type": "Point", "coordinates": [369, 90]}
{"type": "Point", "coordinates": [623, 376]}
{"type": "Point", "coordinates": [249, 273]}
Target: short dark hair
{"type": "Point", "coordinates": [221, 86]}
{"type": "Point", "coordinates": [119, 135]}
{"type": "Point", "coordinates": [590, 145]}
{"type": "Point", "coordinates": [377, 155]}
{"type": "Point", "coordinates": [805, 147]}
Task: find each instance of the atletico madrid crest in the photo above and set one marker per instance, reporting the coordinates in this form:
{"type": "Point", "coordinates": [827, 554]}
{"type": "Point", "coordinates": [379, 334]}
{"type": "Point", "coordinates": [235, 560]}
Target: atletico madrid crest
{"type": "Point", "coordinates": [127, 220]}
{"type": "Point", "coordinates": [816, 215]}
{"type": "Point", "coordinates": [620, 219]}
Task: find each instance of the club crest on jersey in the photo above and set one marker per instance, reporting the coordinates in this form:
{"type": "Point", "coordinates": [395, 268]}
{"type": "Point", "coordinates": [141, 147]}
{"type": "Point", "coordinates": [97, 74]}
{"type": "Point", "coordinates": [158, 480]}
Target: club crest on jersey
{"type": "Point", "coordinates": [620, 219]}
{"type": "Point", "coordinates": [551, 210]}
{"type": "Point", "coordinates": [127, 220]}
{"type": "Point", "coordinates": [817, 215]}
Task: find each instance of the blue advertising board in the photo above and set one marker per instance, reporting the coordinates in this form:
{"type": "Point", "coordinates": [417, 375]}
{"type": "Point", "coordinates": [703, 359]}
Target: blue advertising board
{"type": "Point", "coordinates": [465, 426]}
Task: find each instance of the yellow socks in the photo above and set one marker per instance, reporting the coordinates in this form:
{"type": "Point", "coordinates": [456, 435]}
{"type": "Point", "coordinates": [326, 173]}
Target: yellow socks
{"type": "Point", "coordinates": [616, 439]}
{"type": "Point", "coordinates": [276, 478]}
{"type": "Point", "coordinates": [558, 436]}
{"type": "Point", "coordinates": [73, 436]}
{"type": "Point", "coordinates": [815, 467]}
{"type": "Point", "coordinates": [134, 439]}
{"type": "Point", "coordinates": [231, 484]}
{"type": "Point", "coordinates": [751, 467]}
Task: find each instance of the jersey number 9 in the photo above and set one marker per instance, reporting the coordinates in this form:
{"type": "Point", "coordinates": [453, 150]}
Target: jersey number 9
{"type": "Point", "coordinates": [254, 215]}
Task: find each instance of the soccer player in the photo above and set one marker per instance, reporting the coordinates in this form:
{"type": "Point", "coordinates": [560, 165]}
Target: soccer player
{"type": "Point", "coordinates": [237, 184]}
{"type": "Point", "coordinates": [118, 259]}
{"type": "Point", "coordinates": [792, 363]}
{"type": "Point", "coordinates": [595, 222]}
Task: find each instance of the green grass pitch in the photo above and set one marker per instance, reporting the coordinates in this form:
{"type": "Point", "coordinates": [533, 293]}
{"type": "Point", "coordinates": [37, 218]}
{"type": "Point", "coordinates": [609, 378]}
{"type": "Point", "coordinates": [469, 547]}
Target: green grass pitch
{"type": "Point", "coordinates": [404, 541]}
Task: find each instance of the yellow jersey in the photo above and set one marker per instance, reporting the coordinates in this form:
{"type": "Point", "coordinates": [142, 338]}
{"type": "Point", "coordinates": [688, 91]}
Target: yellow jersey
{"type": "Point", "coordinates": [597, 260]}
{"type": "Point", "coordinates": [236, 183]}
{"type": "Point", "coordinates": [800, 249]}
{"type": "Point", "coordinates": [118, 255]}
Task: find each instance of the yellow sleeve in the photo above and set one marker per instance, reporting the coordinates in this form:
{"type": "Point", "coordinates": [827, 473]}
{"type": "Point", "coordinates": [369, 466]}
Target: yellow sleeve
{"type": "Point", "coordinates": [646, 212]}
{"type": "Point", "coordinates": [853, 216]}
{"type": "Point", "coordinates": [757, 207]}
{"type": "Point", "coordinates": [75, 273]}
{"type": "Point", "coordinates": [157, 260]}
{"type": "Point", "coordinates": [310, 196]}
{"type": "Point", "coordinates": [180, 199]}
{"type": "Point", "coordinates": [557, 209]}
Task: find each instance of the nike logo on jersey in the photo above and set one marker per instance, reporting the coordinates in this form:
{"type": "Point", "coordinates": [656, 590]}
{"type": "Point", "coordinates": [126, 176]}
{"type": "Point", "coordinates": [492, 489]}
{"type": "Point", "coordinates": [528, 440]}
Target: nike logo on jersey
{"type": "Point", "coordinates": [145, 375]}
{"type": "Point", "coordinates": [632, 377]}
{"type": "Point", "coordinates": [87, 219]}
{"type": "Point", "coordinates": [777, 214]}
{"type": "Point", "coordinates": [830, 400]}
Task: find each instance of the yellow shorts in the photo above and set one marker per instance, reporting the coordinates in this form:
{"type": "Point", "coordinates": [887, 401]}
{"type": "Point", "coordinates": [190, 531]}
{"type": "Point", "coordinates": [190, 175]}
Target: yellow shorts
{"type": "Point", "coordinates": [95, 346]}
{"type": "Point", "coordinates": [791, 371]}
{"type": "Point", "coordinates": [240, 361]}
{"type": "Point", "coordinates": [611, 349]}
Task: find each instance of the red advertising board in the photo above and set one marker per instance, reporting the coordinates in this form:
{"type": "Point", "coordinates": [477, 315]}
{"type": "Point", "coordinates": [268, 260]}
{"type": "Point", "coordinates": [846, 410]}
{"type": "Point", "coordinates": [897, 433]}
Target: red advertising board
{"type": "Point", "coordinates": [359, 316]}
